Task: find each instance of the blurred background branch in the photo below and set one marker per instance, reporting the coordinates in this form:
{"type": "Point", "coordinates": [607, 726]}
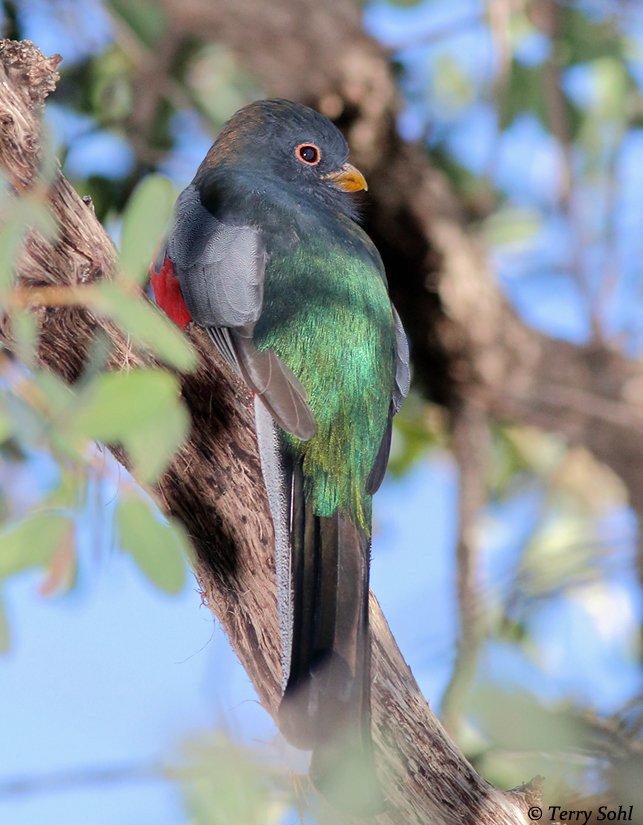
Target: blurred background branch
{"type": "Point", "coordinates": [470, 449]}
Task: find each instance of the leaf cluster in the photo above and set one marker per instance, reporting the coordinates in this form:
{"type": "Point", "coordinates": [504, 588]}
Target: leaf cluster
{"type": "Point", "coordinates": [140, 410]}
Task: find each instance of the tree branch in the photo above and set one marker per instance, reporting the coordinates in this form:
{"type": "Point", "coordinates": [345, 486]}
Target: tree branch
{"type": "Point", "coordinates": [470, 448]}
{"type": "Point", "coordinates": [214, 486]}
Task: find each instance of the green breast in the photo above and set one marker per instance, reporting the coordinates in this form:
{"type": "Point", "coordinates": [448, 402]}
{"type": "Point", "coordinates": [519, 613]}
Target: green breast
{"type": "Point", "coordinates": [328, 315]}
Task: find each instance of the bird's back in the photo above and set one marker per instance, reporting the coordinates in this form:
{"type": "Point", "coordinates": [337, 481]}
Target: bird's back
{"type": "Point", "coordinates": [327, 314]}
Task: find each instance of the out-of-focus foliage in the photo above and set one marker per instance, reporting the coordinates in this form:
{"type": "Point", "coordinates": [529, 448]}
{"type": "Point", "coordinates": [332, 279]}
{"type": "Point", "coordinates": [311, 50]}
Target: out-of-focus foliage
{"type": "Point", "coordinates": [205, 86]}
{"type": "Point", "coordinates": [157, 549]}
{"type": "Point", "coordinates": [522, 737]}
{"type": "Point", "coordinates": [148, 209]}
{"type": "Point", "coordinates": [418, 427]}
{"type": "Point", "coordinates": [230, 787]}
{"type": "Point", "coordinates": [139, 410]}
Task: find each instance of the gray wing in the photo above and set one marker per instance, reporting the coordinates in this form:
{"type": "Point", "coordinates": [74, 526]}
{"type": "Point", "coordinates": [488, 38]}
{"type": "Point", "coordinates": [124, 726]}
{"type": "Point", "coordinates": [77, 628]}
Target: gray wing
{"type": "Point", "coordinates": [220, 268]}
{"type": "Point", "coordinates": [402, 369]}
{"type": "Point", "coordinates": [400, 391]}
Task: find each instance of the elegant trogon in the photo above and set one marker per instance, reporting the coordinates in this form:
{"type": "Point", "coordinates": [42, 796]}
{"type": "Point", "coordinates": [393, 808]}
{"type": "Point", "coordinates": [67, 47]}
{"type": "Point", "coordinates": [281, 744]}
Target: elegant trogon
{"type": "Point", "coordinates": [265, 252]}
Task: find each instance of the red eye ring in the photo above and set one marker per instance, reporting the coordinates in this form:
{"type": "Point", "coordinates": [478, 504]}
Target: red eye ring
{"type": "Point", "coordinates": [308, 153]}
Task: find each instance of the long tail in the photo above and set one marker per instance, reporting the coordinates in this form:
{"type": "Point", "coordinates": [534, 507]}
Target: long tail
{"type": "Point", "coordinates": [323, 587]}
{"type": "Point", "coordinates": [326, 702]}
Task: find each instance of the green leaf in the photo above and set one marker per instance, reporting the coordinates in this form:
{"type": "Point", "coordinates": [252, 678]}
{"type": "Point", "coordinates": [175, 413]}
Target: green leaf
{"type": "Point", "coordinates": [517, 722]}
{"type": "Point", "coordinates": [152, 448]}
{"type": "Point", "coordinates": [25, 331]}
{"type": "Point", "coordinates": [20, 215]}
{"type": "Point", "coordinates": [58, 393]}
{"type": "Point", "coordinates": [144, 18]}
{"type": "Point", "coordinates": [526, 92]}
{"type": "Point", "coordinates": [452, 87]}
{"type": "Point", "coordinates": [6, 425]}
{"type": "Point", "coordinates": [27, 422]}
{"type": "Point", "coordinates": [226, 786]}
{"type": "Point", "coordinates": [146, 325]}
{"type": "Point", "coordinates": [70, 493]}
{"type": "Point", "coordinates": [32, 542]}
{"type": "Point", "coordinates": [512, 227]}
{"type": "Point", "coordinates": [140, 410]}
{"type": "Point", "coordinates": [144, 223]}
{"type": "Point", "coordinates": [108, 89]}
{"type": "Point", "coordinates": [506, 465]}
{"type": "Point", "coordinates": [117, 402]}
{"type": "Point", "coordinates": [585, 37]}
{"type": "Point", "coordinates": [5, 639]}
{"type": "Point", "coordinates": [219, 84]}
{"type": "Point", "coordinates": [157, 549]}
{"type": "Point", "coordinates": [610, 88]}
{"type": "Point", "coordinates": [562, 552]}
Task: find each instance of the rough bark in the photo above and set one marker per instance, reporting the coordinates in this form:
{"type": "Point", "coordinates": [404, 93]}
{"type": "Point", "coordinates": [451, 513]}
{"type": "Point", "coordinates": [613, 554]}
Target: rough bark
{"type": "Point", "coordinates": [214, 487]}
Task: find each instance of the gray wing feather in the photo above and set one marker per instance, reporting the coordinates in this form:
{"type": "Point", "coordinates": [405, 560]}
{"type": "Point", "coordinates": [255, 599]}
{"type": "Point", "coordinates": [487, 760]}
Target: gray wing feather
{"type": "Point", "coordinates": [276, 384]}
{"type": "Point", "coordinates": [222, 340]}
{"type": "Point", "coordinates": [221, 268]}
{"type": "Point", "coordinates": [400, 391]}
{"type": "Point", "coordinates": [277, 474]}
{"type": "Point", "coordinates": [378, 470]}
{"type": "Point", "coordinates": [402, 369]}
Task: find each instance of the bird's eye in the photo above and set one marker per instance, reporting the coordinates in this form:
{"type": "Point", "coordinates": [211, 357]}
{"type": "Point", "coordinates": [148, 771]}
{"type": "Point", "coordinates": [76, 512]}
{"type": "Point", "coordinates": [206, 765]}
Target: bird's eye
{"type": "Point", "coordinates": [308, 153]}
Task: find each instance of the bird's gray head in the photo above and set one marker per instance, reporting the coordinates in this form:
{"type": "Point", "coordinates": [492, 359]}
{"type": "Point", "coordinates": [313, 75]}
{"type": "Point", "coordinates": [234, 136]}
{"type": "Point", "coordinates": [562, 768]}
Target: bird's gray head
{"type": "Point", "coordinates": [286, 144]}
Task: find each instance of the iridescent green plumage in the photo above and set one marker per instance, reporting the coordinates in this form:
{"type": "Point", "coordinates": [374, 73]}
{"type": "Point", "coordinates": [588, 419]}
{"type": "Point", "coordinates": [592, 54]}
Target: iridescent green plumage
{"type": "Point", "coordinates": [327, 314]}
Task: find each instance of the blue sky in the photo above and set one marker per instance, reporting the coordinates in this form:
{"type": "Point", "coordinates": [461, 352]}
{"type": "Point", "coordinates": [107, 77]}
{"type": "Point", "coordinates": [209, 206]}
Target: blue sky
{"type": "Point", "coordinates": [117, 673]}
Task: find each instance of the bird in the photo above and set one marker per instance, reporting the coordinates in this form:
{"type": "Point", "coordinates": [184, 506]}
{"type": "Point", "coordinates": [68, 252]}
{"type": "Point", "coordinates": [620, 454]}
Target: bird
{"type": "Point", "coordinates": [265, 251]}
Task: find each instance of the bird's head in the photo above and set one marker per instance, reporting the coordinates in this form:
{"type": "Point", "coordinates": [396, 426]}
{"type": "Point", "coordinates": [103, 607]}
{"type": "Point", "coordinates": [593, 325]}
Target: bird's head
{"type": "Point", "coordinates": [282, 144]}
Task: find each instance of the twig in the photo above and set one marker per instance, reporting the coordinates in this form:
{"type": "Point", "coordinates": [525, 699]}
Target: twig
{"type": "Point", "coordinates": [470, 441]}
{"type": "Point", "coordinates": [66, 780]}
{"type": "Point", "coordinates": [587, 404]}
{"type": "Point", "coordinates": [559, 125]}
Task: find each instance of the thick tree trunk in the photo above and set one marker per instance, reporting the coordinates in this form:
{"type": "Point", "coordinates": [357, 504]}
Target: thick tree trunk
{"type": "Point", "coordinates": [214, 487]}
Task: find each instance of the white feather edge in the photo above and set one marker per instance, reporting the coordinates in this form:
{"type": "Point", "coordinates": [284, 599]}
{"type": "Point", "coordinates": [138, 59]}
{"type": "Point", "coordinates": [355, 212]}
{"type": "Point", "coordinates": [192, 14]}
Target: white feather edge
{"type": "Point", "coordinates": [278, 486]}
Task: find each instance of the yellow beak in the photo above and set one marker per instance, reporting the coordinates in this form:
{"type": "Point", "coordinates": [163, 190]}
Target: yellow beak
{"type": "Point", "coordinates": [348, 178]}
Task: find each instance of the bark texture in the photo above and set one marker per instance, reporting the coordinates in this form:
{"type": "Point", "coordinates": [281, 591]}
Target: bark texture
{"type": "Point", "coordinates": [214, 485]}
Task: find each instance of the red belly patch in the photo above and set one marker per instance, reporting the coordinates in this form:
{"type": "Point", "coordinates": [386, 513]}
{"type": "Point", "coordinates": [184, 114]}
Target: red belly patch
{"type": "Point", "coordinates": [167, 294]}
